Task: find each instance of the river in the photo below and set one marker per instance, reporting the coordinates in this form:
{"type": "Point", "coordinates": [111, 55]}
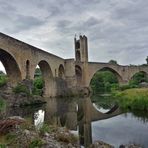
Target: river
{"type": "Point", "coordinates": [87, 119]}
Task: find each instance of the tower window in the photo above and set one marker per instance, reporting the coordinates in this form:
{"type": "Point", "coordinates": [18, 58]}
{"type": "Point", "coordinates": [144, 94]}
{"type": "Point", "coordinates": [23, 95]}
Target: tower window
{"type": "Point", "coordinates": [77, 45]}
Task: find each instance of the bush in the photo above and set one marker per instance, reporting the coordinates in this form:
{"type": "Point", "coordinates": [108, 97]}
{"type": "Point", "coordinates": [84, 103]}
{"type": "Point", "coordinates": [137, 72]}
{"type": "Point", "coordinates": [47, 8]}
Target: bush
{"type": "Point", "coordinates": [2, 104]}
{"type": "Point", "coordinates": [134, 99]}
{"type": "Point", "coordinates": [20, 88]}
{"type": "Point", "coordinates": [44, 129]}
{"type": "Point", "coordinates": [36, 143]}
{"type": "Point", "coordinates": [38, 83]}
{"type": "Point", "coordinates": [124, 87]}
{"type": "Point", "coordinates": [38, 86]}
{"type": "Point", "coordinates": [66, 137]}
{"type": "Point", "coordinates": [11, 137]}
{"type": "Point", "coordinates": [2, 145]}
{"type": "Point", "coordinates": [3, 80]}
{"type": "Point", "coordinates": [103, 81]}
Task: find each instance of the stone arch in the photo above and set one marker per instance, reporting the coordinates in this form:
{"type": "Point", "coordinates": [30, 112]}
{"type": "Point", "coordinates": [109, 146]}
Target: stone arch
{"type": "Point", "coordinates": [11, 67]}
{"type": "Point", "coordinates": [78, 71]}
{"type": "Point", "coordinates": [145, 74]}
{"type": "Point", "coordinates": [119, 78]}
{"type": "Point", "coordinates": [78, 56]}
{"type": "Point", "coordinates": [61, 71]}
{"type": "Point", "coordinates": [47, 77]}
{"type": "Point", "coordinates": [27, 69]}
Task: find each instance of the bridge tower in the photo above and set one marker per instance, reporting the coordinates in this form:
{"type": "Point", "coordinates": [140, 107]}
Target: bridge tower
{"type": "Point", "coordinates": [81, 60]}
{"type": "Point", "coordinates": [81, 49]}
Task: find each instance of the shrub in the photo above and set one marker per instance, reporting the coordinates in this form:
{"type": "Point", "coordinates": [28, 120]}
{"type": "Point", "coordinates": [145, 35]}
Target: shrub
{"type": "Point", "coordinates": [38, 83]}
{"type": "Point", "coordinates": [44, 129]}
{"type": "Point", "coordinates": [38, 86]}
{"type": "Point", "coordinates": [3, 80]}
{"type": "Point", "coordinates": [2, 145]}
{"type": "Point", "coordinates": [11, 137]}
{"type": "Point", "coordinates": [67, 137]}
{"type": "Point", "coordinates": [124, 87]}
{"type": "Point", "coordinates": [20, 88]}
{"type": "Point", "coordinates": [38, 92]}
{"type": "Point", "coordinates": [36, 143]}
{"type": "Point", "coordinates": [134, 99]}
{"type": "Point", "coordinates": [2, 104]}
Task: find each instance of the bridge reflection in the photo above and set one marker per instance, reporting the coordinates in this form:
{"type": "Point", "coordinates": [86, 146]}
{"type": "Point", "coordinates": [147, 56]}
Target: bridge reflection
{"type": "Point", "coordinates": [75, 114]}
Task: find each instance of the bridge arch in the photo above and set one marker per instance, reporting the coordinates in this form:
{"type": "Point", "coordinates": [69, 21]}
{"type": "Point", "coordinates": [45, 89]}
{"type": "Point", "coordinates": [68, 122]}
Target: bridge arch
{"type": "Point", "coordinates": [61, 71]}
{"type": "Point", "coordinates": [47, 77]}
{"type": "Point", "coordinates": [78, 71]}
{"type": "Point", "coordinates": [11, 67]}
{"type": "Point", "coordinates": [143, 74]}
{"type": "Point", "coordinates": [119, 78]}
{"type": "Point", "coordinates": [141, 71]}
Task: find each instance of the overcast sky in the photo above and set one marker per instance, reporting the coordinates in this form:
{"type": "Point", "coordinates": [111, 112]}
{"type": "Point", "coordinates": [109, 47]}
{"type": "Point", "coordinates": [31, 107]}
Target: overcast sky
{"type": "Point", "coordinates": [116, 29]}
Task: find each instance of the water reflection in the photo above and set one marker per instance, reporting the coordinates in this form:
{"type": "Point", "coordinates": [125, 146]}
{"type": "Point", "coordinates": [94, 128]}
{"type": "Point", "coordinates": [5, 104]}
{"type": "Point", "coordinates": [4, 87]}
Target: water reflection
{"type": "Point", "coordinates": [39, 118]}
{"type": "Point", "coordinates": [82, 115]}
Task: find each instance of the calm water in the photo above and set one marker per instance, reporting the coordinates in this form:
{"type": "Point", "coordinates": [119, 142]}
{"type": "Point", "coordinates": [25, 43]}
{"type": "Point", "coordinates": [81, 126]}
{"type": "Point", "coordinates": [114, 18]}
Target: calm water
{"type": "Point", "coordinates": [88, 120]}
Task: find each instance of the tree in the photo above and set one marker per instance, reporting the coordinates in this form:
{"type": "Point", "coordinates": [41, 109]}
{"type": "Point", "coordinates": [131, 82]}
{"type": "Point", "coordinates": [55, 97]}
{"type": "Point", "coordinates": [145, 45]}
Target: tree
{"type": "Point", "coordinates": [138, 78]}
{"type": "Point", "coordinates": [113, 62]}
{"type": "Point", "coordinates": [103, 81]}
{"type": "Point", "coordinates": [38, 72]}
{"type": "Point", "coordinates": [147, 60]}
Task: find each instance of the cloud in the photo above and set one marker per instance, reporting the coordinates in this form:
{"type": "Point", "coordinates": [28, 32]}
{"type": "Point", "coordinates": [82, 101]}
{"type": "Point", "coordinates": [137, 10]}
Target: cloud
{"type": "Point", "coordinates": [23, 23]}
{"type": "Point", "coordinates": [115, 28]}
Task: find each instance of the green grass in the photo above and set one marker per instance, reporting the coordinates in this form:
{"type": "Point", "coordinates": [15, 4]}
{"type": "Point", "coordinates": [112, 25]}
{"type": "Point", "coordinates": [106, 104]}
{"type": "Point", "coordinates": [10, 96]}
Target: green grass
{"type": "Point", "coordinates": [2, 104]}
{"type": "Point", "coordinates": [36, 143]}
{"type": "Point", "coordinates": [44, 129]}
{"type": "Point", "coordinates": [133, 99]}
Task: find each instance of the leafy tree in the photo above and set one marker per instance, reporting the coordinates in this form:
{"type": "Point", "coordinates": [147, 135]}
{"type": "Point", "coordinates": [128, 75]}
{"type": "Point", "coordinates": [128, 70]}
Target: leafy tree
{"type": "Point", "coordinates": [38, 86]}
{"type": "Point", "coordinates": [3, 80]}
{"type": "Point", "coordinates": [113, 62]}
{"type": "Point", "coordinates": [147, 60]}
{"type": "Point", "coordinates": [39, 83]}
{"type": "Point", "coordinates": [103, 81]}
{"type": "Point", "coordinates": [138, 78]}
{"type": "Point", "coordinates": [38, 72]}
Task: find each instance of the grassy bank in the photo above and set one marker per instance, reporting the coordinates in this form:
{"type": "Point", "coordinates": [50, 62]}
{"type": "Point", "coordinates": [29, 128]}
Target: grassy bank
{"type": "Point", "coordinates": [133, 99]}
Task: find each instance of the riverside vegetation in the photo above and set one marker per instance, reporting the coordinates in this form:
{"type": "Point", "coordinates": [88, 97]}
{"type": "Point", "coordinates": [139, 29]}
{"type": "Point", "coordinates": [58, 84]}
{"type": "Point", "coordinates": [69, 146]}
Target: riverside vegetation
{"type": "Point", "coordinates": [18, 132]}
{"type": "Point", "coordinates": [129, 97]}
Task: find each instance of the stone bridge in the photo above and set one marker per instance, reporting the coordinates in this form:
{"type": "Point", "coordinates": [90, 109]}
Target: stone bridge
{"type": "Point", "coordinates": [60, 75]}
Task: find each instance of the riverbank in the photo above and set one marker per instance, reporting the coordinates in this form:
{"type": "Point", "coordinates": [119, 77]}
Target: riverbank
{"type": "Point", "coordinates": [133, 99]}
{"type": "Point", "coordinates": [17, 132]}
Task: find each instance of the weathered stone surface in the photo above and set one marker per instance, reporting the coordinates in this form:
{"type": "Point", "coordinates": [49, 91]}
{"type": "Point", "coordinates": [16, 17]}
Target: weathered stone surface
{"type": "Point", "coordinates": [101, 144]}
{"type": "Point", "coordinates": [143, 84]}
{"type": "Point", "coordinates": [130, 146]}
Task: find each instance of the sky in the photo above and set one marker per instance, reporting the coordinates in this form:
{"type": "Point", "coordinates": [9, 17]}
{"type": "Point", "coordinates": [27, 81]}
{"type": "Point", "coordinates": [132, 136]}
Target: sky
{"type": "Point", "coordinates": [116, 29]}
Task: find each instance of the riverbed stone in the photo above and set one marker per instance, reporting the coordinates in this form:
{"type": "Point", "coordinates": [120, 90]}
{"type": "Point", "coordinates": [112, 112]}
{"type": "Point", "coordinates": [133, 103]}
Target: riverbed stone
{"type": "Point", "coordinates": [130, 146]}
{"type": "Point", "coordinates": [101, 144]}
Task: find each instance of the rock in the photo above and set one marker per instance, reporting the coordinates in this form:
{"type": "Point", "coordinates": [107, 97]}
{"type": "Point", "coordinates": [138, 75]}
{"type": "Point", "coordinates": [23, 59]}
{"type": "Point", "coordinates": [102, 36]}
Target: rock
{"type": "Point", "coordinates": [26, 132]}
{"type": "Point", "coordinates": [143, 85]}
{"type": "Point", "coordinates": [130, 146]}
{"type": "Point", "coordinates": [16, 118]}
{"type": "Point", "coordinates": [46, 134]}
{"type": "Point", "coordinates": [101, 144]}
